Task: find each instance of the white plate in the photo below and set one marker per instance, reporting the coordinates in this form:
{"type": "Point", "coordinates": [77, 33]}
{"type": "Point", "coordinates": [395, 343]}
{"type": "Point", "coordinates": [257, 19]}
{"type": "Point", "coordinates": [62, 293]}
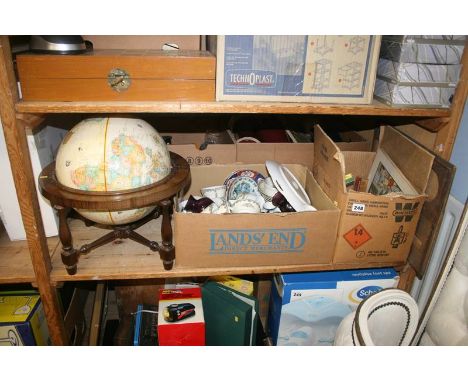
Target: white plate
{"type": "Point", "coordinates": [289, 186]}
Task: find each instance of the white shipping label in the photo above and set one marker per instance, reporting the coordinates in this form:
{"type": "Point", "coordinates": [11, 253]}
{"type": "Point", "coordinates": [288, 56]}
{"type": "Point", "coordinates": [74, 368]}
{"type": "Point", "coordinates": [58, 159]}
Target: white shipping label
{"type": "Point", "coordinates": [299, 294]}
{"type": "Point", "coordinates": [358, 207]}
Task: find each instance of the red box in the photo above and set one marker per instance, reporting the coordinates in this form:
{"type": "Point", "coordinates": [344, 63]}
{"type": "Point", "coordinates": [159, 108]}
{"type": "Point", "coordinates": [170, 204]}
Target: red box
{"type": "Point", "coordinates": [180, 318]}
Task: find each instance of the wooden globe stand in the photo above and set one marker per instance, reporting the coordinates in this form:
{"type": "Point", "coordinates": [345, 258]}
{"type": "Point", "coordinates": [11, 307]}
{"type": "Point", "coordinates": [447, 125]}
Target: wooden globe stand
{"type": "Point", "coordinates": [159, 194]}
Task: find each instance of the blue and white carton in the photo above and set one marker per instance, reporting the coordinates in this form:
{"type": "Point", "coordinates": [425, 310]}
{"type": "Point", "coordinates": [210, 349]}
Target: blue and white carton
{"type": "Point", "coordinates": [321, 69]}
{"type": "Point", "coordinates": [307, 308]}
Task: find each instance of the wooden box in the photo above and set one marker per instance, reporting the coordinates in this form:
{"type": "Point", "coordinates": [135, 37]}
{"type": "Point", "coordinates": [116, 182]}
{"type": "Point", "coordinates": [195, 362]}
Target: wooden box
{"type": "Point", "coordinates": [184, 42]}
{"type": "Point", "coordinates": [118, 75]}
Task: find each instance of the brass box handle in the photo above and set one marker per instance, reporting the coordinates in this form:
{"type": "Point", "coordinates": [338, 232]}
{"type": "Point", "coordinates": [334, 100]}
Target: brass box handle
{"type": "Point", "coordinates": [119, 80]}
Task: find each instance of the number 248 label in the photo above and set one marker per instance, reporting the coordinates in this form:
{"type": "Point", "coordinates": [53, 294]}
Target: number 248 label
{"type": "Point", "coordinates": [358, 207]}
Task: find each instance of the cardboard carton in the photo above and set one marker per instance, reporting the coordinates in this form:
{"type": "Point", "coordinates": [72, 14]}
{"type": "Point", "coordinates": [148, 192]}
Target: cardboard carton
{"type": "Point", "coordinates": [144, 42]}
{"type": "Point", "coordinates": [373, 228]}
{"type": "Point", "coordinates": [299, 153]}
{"type": "Point", "coordinates": [244, 240]}
{"type": "Point", "coordinates": [189, 146]}
{"type": "Point", "coordinates": [335, 69]}
{"type": "Point", "coordinates": [22, 320]}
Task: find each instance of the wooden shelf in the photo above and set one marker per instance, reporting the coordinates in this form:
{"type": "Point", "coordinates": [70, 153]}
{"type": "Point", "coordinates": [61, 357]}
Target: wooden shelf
{"type": "Point", "coordinates": [125, 259]}
{"type": "Point", "coordinates": [15, 261]}
{"type": "Point", "coordinates": [376, 108]}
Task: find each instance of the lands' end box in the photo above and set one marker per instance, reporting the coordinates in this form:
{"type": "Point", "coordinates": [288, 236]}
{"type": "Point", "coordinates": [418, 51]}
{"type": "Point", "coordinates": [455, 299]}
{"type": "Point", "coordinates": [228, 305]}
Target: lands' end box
{"type": "Point", "coordinates": [258, 239]}
{"type": "Point", "coordinates": [373, 228]}
{"type": "Point", "coordinates": [118, 75]}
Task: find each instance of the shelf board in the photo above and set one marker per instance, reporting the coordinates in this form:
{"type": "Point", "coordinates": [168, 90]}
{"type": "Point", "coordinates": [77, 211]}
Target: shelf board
{"type": "Point", "coordinates": [376, 108]}
{"type": "Point", "coordinates": [15, 261]}
{"type": "Point", "coordinates": [126, 259]}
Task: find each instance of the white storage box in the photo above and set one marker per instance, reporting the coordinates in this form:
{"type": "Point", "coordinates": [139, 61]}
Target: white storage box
{"type": "Point", "coordinates": [445, 37]}
{"type": "Point", "coordinates": [43, 145]}
{"type": "Point", "coordinates": [407, 95]}
{"type": "Point", "coordinates": [418, 74]}
{"type": "Point", "coordinates": [422, 51]}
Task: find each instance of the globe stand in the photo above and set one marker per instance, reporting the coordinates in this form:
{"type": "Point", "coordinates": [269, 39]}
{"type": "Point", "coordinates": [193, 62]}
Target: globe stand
{"type": "Point", "coordinates": [159, 194]}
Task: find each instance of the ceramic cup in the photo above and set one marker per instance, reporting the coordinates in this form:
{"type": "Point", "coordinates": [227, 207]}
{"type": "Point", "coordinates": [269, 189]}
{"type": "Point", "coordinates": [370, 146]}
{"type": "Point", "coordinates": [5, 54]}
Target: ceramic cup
{"type": "Point", "coordinates": [214, 192]}
{"type": "Point", "coordinates": [246, 203]}
{"type": "Point", "coordinates": [244, 206]}
{"type": "Point", "coordinates": [241, 185]}
{"type": "Point", "coordinates": [267, 188]}
{"type": "Point", "coordinates": [222, 209]}
{"type": "Point", "coordinates": [269, 207]}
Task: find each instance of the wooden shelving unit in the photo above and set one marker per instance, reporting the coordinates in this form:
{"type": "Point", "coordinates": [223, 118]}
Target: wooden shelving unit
{"type": "Point", "coordinates": [44, 267]}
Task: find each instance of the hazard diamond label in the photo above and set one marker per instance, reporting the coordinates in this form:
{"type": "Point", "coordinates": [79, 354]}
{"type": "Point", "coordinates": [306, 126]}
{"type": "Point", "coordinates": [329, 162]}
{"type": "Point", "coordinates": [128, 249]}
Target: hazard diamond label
{"type": "Point", "coordinates": [357, 236]}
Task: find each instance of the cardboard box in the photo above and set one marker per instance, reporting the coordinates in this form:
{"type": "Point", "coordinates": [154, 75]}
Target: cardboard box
{"type": "Point", "coordinates": [299, 153]}
{"type": "Point", "coordinates": [22, 320]}
{"type": "Point", "coordinates": [334, 69]}
{"type": "Point", "coordinates": [373, 228]}
{"type": "Point", "coordinates": [346, 140]}
{"type": "Point", "coordinates": [189, 146]}
{"type": "Point", "coordinates": [246, 240]}
{"type": "Point", "coordinates": [118, 75]}
{"type": "Point", "coordinates": [307, 308]}
{"type": "Point", "coordinates": [395, 94]}
{"type": "Point", "coordinates": [180, 317]}
{"type": "Point", "coordinates": [144, 42]}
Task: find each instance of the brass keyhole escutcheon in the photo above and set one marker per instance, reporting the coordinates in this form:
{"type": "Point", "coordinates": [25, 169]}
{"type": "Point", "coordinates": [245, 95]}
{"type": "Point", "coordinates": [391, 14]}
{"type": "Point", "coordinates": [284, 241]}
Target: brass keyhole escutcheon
{"type": "Point", "coordinates": [119, 80]}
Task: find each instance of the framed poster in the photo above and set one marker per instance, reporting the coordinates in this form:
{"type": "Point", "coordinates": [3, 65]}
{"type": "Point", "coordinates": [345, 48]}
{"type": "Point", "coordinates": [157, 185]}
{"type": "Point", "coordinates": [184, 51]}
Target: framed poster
{"type": "Point", "coordinates": [385, 177]}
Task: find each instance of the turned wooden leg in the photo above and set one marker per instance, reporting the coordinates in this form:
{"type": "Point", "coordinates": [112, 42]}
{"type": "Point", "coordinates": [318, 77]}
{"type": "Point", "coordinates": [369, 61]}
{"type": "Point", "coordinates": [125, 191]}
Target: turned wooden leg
{"type": "Point", "coordinates": [167, 250]}
{"type": "Point", "coordinates": [69, 254]}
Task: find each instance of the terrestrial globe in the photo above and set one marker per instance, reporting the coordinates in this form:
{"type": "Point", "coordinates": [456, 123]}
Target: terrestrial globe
{"type": "Point", "coordinates": [112, 154]}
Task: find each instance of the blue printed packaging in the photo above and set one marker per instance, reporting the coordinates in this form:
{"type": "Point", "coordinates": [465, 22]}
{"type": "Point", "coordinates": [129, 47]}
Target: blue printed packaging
{"type": "Point", "coordinates": [334, 69]}
{"type": "Point", "coordinates": [307, 308]}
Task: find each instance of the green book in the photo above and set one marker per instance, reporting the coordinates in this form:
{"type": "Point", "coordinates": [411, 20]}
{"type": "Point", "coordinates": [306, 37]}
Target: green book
{"type": "Point", "coordinates": [230, 316]}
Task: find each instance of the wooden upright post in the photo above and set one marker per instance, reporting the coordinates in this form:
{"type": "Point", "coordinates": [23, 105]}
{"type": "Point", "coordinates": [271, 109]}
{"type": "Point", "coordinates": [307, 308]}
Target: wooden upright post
{"type": "Point", "coordinates": [446, 136]}
{"type": "Point", "coordinates": [16, 141]}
